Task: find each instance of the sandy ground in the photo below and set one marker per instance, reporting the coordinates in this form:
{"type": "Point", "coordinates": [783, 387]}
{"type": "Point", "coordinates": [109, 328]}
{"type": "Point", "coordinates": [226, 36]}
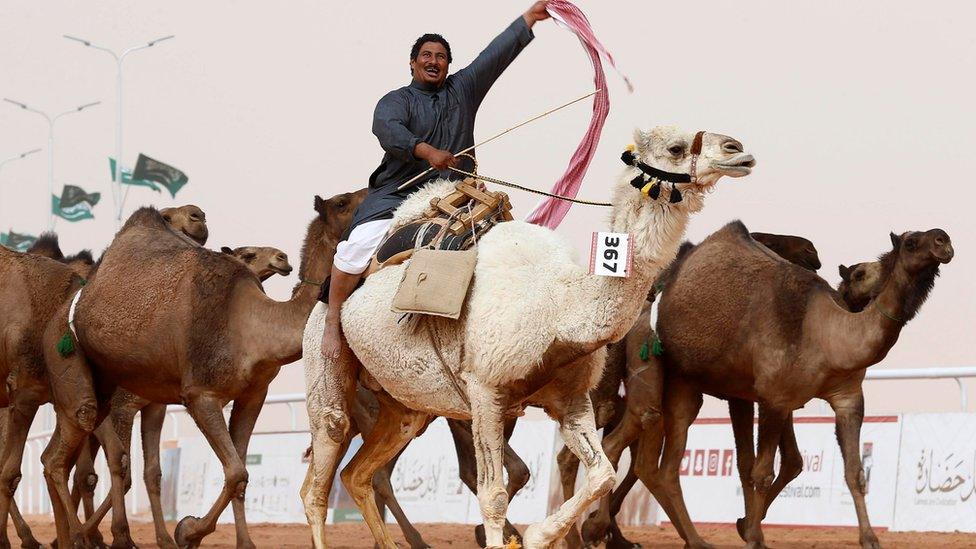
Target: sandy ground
{"type": "Point", "coordinates": [459, 535]}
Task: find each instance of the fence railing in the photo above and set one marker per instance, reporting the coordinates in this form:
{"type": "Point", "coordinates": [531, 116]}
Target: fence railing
{"type": "Point", "coordinates": [957, 374]}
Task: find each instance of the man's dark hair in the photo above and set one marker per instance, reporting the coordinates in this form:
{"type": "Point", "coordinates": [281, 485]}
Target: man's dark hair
{"type": "Point", "coordinates": [415, 50]}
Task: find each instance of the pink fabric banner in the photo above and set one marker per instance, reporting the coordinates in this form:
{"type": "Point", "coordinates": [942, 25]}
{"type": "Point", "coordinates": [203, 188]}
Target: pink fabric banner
{"type": "Point", "coordinates": [551, 211]}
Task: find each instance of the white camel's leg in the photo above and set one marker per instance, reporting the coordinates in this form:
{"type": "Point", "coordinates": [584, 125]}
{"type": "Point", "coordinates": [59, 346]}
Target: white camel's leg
{"type": "Point", "coordinates": [488, 426]}
{"type": "Point", "coordinates": [578, 430]}
{"type": "Point", "coordinates": [330, 386]}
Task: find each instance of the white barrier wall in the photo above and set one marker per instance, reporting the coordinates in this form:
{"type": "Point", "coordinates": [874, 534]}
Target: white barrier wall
{"type": "Point", "coordinates": [937, 478]}
{"type": "Point", "coordinates": [921, 471]}
{"type": "Point", "coordinates": [819, 496]}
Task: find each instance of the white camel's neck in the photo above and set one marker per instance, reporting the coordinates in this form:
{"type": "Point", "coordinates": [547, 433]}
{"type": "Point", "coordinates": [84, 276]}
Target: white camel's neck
{"type": "Point", "coordinates": [609, 305]}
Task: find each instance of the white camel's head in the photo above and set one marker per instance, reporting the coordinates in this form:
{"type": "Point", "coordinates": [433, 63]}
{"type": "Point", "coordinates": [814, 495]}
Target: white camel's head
{"type": "Point", "coordinates": [673, 150]}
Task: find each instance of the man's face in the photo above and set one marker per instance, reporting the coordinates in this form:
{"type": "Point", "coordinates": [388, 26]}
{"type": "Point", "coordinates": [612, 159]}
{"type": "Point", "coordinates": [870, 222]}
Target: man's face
{"type": "Point", "coordinates": [430, 65]}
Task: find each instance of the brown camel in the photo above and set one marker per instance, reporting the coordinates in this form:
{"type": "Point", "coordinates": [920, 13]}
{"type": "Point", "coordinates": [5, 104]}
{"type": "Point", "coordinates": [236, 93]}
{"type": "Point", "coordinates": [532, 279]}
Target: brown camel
{"type": "Point", "coordinates": [47, 246]}
{"type": "Point", "coordinates": [860, 283]}
{"type": "Point", "coordinates": [643, 383]}
{"type": "Point", "coordinates": [825, 348]}
{"type": "Point", "coordinates": [263, 261]}
{"type": "Point", "coordinates": [114, 436]}
{"type": "Point", "coordinates": [191, 220]}
{"type": "Point", "coordinates": [35, 289]}
{"type": "Point", "coordinates": [173, 322]}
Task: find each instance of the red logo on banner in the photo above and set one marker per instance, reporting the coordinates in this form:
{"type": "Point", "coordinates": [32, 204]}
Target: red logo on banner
{"type": "Point", "coordinates": [685, 463]}
{"type": "Point", "coordinates": [726, 462]}
{"type": "Point", "coordinates": [699, 467]}
{"type": "Point", "coordinates": [712, 463]}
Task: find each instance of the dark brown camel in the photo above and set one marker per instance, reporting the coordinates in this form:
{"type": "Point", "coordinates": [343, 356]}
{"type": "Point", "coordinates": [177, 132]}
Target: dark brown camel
{"type": "Point", "coordinates": [643, 383]}
{"type": "Point", "coordinates": [860, 283]}
{"type": "Point", "coordinates": [827, 350]}
{"type": "Point", "coordinates": [173, 322]}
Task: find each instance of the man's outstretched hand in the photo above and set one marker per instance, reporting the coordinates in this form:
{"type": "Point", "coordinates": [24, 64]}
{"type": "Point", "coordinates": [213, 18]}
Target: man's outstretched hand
{"type": "Point", "coordinates": [536, 13]}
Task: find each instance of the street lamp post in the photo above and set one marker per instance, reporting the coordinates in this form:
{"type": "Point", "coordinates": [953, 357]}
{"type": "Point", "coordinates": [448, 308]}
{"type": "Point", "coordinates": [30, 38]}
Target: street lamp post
{"type": "Point", "coordinates": [50, 147]}
{"type": "Point", "coordinates": [117, 198]}
{"type": "Point", "coordinates": [11, 159]}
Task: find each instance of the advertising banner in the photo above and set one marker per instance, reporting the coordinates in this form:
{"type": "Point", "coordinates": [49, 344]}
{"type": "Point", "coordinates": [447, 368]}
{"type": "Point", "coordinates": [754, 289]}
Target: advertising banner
{"type": "Point", "coordinates": [819, 496]}
{"type": "Point", "coordinates": [937, 475]}
{"type": "Point", "coordinates": [275, 475]}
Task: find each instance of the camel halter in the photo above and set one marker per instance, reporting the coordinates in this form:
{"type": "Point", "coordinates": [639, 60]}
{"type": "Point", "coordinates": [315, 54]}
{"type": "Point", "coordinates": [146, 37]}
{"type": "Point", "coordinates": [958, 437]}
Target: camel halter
{"type": "Point", "coordinates": [648, 182]}
{"type": "Point", "coordinates": [882, 312]}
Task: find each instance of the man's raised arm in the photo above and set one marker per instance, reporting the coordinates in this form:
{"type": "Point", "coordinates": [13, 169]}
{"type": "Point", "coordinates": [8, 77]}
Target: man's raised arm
{"type": "Point", "coordinates": [479, 76]}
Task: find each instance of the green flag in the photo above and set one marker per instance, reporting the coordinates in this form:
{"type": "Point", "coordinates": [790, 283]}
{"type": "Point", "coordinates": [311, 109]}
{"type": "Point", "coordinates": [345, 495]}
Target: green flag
{"type": "Point", "coordinates": [148, 169]}
{"type": "Point", "coordinates": [17, 241]}
{"type": "Point", "coordinates": [127, 177]}
{"type": "Point", "coordinates": [74, 204]}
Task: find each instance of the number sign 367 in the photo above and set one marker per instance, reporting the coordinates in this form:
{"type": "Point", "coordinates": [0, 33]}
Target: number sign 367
{"type": "Point", "coordinates": [611, 254]}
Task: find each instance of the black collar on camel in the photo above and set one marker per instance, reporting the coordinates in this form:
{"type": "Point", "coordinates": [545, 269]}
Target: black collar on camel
{"type": "Point", "coordinates": [650, 178]}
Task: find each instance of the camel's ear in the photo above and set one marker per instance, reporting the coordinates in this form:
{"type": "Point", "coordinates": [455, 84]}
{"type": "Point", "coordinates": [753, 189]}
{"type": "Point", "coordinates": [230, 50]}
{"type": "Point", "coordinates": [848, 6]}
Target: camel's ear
{"type": "Point", "coordinates": [320, 205]}
{"type": "Point", "coordinates": [226, 250]}
{"type": "Point", "coordinates": [641, 138]}
{"type": "Point", "coordinates": [895, 240]}
{"type": "Point", "coordinates": [845, 273]}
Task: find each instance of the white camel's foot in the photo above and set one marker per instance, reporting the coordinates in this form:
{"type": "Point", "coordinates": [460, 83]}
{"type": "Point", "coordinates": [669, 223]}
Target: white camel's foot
{"type": "Point", "coordinates": [536, 537]}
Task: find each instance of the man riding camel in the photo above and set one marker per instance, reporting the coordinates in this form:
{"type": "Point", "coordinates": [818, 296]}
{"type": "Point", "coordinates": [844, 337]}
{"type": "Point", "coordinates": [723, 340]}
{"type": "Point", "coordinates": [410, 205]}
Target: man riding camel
{"type": "Point", "coordinates": [419, 126]}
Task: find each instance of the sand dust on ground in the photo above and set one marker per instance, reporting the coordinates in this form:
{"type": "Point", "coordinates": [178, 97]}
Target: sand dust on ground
{"type": "Point", "coordinates": [350, 536]}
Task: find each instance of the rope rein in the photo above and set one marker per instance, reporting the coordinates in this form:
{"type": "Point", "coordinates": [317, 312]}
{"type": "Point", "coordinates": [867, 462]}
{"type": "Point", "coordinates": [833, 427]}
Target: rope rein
{"type": "Point", "coordinates": [527, 189]}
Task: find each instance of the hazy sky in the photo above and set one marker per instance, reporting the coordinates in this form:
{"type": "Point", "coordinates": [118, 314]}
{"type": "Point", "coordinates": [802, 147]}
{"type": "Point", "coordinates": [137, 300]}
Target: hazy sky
{"type": "Point", "coordinates": [860, 115]}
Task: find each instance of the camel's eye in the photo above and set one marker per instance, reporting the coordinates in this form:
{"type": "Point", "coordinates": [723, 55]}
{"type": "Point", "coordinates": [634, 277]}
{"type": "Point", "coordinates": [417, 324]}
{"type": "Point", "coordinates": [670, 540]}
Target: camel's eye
{"type": "Point", "coordinates": [859, 276]}
{"type": "Point", "coordinates": [911, 244]}
{"type": "Point", "coordinates": [340, 204]}
{"type": "Point", "coordinates": [676, 150]}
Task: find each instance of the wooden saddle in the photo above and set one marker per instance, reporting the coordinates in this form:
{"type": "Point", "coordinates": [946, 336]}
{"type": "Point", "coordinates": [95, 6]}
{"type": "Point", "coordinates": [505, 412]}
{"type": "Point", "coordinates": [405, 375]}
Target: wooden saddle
{"type": "Point", "coordinates": [453, 222]}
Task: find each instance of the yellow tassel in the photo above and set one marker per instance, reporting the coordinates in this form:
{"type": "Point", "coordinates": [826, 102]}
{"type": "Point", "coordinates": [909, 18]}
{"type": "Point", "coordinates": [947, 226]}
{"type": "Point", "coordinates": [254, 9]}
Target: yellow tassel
{"type": "Point", "coordinates": [631, 147]}
{"type": "Point", "coordinates": [513, 543]}
{"type": "Point", "coordinates": [647, 188]}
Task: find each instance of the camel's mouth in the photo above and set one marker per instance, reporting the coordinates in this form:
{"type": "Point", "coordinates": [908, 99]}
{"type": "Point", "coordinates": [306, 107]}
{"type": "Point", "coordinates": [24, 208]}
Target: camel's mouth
{"type": "Point", "coordinates": [283, 271]}
{"type": "Point", "coordinates": [944, 256]}
{"type": "Point", "coordinates": [737, 166]}
{"type": "Point", "coordinates": [198, 235]}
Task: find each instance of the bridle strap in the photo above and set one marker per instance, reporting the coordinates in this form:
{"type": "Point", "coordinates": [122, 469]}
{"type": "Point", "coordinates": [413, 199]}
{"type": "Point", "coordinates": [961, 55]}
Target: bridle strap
{"type": "Point", "coordinates": [647, 181]}
{"type": "Point", "coordinates": [310, 282]}
{"type": "Point", "coordinates": [883, 313]}
{"type": "Point", "coordinates": [696, 147]}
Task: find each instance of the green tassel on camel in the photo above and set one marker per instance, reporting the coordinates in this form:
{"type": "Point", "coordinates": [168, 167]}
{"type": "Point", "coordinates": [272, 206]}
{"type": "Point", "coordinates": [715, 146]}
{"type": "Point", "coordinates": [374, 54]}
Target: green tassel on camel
{"type": "Point", "coordinates": [647, 349]}
{"type": "Point", "coordinates": [66, 345]}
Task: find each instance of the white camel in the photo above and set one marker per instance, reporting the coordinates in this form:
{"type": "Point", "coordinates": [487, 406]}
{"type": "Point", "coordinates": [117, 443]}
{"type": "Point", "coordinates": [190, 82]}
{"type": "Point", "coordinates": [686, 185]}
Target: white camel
{"type": "Point", "coordinates": [533, 332]}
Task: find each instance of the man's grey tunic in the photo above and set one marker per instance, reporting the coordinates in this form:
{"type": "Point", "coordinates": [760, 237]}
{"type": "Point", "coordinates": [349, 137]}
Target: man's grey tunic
{"type": "Point", "coordinates": [442, 118]}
